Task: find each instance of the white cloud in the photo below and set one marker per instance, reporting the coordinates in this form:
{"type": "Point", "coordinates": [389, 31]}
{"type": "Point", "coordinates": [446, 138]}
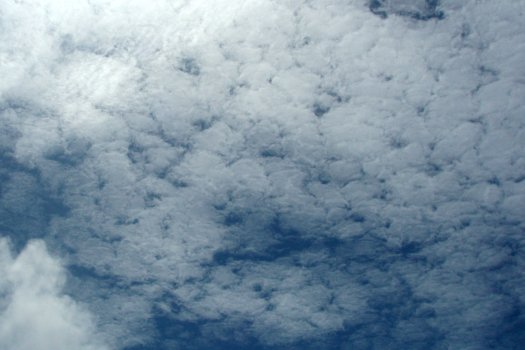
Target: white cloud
{"type": "Point", "coordinates": [34, 313]}
{"type": "Point", "coordinates": [288, 170]}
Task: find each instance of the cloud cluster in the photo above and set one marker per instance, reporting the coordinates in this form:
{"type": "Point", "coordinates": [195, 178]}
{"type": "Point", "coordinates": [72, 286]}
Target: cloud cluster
{"type": "Point", "coordinates": [34, 314]}
{"type": "Point", "coordinates": [285, 174]}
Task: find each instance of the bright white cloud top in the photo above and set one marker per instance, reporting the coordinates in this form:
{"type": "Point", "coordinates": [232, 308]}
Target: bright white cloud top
{"type": "Point", "coordinates": [264, 174]}
{"type": "Point", "coordinates": [34, 314]}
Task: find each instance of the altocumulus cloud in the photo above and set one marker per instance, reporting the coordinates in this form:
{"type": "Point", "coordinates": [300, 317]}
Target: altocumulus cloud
{"type": "Point", "coordinates": [263, 174]}
{"type": "Point", "coordinates": [34, 314]}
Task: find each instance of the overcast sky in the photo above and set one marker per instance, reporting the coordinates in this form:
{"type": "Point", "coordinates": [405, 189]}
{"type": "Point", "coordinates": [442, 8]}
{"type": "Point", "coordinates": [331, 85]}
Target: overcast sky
{"type": "Point", "coordinates": [262, 174]}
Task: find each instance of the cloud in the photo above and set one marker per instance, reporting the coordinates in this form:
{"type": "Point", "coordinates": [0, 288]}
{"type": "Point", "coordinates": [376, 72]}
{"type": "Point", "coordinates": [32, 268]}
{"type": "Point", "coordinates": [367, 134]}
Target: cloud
{"type": "Point", "coordinates": [34, 313]}
{"type": "Point", "coordinates": [306, 175]}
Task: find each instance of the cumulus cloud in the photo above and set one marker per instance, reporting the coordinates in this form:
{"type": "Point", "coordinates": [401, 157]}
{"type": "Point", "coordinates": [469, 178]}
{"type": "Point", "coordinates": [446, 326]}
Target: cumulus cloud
{"type": "Point", "coordinates": [34, 313]}
{"type": "Point", "coordinates": [311, 174]}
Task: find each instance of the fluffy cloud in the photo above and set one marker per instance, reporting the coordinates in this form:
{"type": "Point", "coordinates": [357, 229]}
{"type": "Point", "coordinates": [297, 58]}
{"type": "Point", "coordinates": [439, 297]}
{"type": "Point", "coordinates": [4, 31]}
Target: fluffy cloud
{"type": "Point", "coordinates": [34, 313]}
{"type": "Point", "coordinates": [313, 174]}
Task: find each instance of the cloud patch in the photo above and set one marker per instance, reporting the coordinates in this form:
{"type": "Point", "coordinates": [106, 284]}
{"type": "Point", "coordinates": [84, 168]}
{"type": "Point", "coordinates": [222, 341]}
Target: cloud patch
{"type": "Point", "coordinates": [34, 314]}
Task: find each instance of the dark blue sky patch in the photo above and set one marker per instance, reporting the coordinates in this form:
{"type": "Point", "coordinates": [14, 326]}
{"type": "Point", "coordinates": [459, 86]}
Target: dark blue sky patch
{"type": "Point", "coordinates": [264, 239]}
{"type": "Point", "coordinates": [416, 9]}
{"type": "Point", "coordinates": [272, 152]}
{"type": "Point", "coordinates": [189, 66]}
{"type": "Point", "coordinates": [320, 109]}
{"type": "Point", "coordinates": [71, 153]}
{"type": "Point", "coordinates": [199, 334]}
{"type": "Point", "coordinates": [26, 204]}
{"type": "Point", "coordinates": [105, 281]}
{"type": "Point", "coordinates": [511, 335]}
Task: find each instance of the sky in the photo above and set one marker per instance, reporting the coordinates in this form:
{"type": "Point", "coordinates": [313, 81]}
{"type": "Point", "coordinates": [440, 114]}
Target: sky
{"type": "Point", "coordinates": [262, 174]}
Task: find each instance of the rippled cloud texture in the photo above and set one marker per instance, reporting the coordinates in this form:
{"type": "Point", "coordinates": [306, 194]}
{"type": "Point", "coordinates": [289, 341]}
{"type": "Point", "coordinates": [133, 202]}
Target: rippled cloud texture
{"type": "Point", "coordinates": [259, 174]}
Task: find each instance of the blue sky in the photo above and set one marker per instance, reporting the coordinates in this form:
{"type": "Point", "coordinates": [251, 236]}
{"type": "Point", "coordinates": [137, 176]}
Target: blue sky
{"type": "Point", "coordinates": [262, 174]}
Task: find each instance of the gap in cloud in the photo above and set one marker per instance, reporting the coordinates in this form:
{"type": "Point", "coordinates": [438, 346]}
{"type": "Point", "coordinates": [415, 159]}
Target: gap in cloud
{"type": "Point", "coordinates": [416, 9]}
{"type": "Point", "coordinates": [25, 202]}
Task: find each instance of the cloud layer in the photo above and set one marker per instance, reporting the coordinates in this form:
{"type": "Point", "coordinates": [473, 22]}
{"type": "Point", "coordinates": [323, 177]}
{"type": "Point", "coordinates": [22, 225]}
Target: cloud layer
{"type": "Point", "coordinates": [316, 174]}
